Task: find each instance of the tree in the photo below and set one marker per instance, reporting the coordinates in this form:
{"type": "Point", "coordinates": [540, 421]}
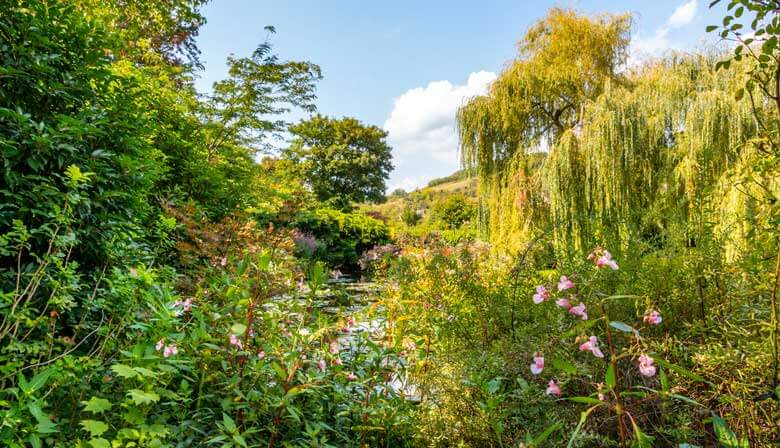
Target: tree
{"type": "Point", "coordinates": [244, 108]}
{"type": "Point", "coordinates": [341, 160]}
{"type": "Point", "coordinates": [564, 60]}
{"type": "Point", "coordinates": [167, 28]}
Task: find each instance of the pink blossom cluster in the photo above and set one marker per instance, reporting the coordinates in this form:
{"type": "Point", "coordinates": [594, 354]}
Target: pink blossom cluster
{"type": "Point", "coordinates": [602, 258]}
{"type": "Point", "coordinates": [236, 342]}
{"type": "Point", "coordinates": [653, 318]}
{"type": "Point", "coordinates": [592, 345]}
{"type": "Point", "coordinates": [183, 306]}
{"type": "Point", "coordinates": [646, 365]}
{"type": "Point", "coordinates": [168, 350]}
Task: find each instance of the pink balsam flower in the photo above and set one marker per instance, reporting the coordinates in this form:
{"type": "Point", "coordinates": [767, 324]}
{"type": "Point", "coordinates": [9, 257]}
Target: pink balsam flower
{"type": "Point", "coordinates": [322, 365]}
{"type": "Point", "coordinates": [646, 366]}
{"type": "Point", "coordinates": [160, 344]}
{"type": "Point", "coordinates": [170, 350]}
{"type": "Point", "coordinates": [565, 283]}
{"type": "Point", "coordinates": [579, 310]}
{"type": "Point", "coordinates": [563, 303]}
{"type": "Point", "coordinates": [653, 318]}
{"type": "Point", "coordinates": [541, 294]}
{"type": "Point", "coordinates": [351, 376]}
{"type": "Point", "coordinates": [592, 345]}
{"type": "Point", "coordinates": [261, 354]}
{"type": "Point", "coordinates": [553, 389]}
{"type": "Point", "coordinates": [334, 348]}
{"type": "Point", "coordinates": [606, 260]}
{"type": "Point", "coordinates": [236, 342]}
{"type": "Point", "coordinates": [538, 365]}
{"type": "Point", "coordinates": [338, 362]}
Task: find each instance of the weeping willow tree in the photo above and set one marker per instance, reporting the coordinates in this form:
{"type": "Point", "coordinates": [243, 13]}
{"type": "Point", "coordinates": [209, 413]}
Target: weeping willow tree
{"type": "Point", "coordinates": [630, 157]}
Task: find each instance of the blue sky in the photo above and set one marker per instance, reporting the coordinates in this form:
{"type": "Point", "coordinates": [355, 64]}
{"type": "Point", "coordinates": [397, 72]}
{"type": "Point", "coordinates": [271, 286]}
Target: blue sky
{"type": "Point", "coordinates": [407, 65]}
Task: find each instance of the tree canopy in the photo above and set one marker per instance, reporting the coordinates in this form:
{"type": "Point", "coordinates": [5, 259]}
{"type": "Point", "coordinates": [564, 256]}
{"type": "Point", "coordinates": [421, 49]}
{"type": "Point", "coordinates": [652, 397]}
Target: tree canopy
{"type": "Point", "coordinates": [342, 160]}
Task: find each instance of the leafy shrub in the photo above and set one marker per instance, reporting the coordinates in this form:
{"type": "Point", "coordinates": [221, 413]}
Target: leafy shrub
{"type": "Point", "coordinates": [342, 237]}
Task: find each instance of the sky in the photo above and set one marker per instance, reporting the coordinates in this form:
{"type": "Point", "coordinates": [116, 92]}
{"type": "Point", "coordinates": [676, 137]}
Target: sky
{"type": "Point", "coordinates": [406, 66]}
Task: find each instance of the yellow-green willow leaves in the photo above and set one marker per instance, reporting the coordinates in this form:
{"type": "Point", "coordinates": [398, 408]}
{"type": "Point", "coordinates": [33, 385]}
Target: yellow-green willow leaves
{"type": "Point", "coordinates": [652, 152]}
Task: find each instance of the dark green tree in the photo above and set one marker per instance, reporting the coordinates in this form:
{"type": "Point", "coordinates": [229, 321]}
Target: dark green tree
{"type": "Point", "coordinates": [341, 160]}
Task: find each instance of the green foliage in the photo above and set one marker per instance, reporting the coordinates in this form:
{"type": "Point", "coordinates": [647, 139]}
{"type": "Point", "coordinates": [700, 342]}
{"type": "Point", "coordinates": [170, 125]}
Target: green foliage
{"type": "Point", "coordinates": [342, 160]}
{"type": "Point", "coordinates": [341, 237]}
{"type": "Point", "coordinates": [453, 212]}
{"type": "Point", "coordinates": [243, 108]}
{"type": "Point", "coordinates": [409, 216]}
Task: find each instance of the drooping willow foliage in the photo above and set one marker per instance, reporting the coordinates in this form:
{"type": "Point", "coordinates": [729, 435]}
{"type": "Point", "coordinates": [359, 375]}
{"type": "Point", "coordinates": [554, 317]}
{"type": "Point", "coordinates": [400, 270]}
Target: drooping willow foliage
{"type": "Point", "coordinates": [654, 154]}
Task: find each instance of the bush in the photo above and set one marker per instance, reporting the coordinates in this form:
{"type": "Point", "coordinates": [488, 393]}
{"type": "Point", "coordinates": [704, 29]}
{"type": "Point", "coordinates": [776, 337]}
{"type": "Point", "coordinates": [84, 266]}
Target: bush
{"type": "Point", "coordinates": [341, 237]}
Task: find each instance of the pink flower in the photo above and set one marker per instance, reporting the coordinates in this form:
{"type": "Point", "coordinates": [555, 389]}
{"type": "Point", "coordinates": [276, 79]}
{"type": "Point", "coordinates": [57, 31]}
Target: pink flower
{"type": "Point", "coordinates": [563, 303]}
{"type": "Point", "coordinates": [223, 262]}
{"type": "Point", "coordinates": [170, 350]}
{"type": "Point", "coordinates": [653, 318]}
{"type": "Point", "coordinates": [334, 347]}
{"type": "Point", "coordinates": [338, 362]}
{"type": "Point", "coordinates": [236, 342]}
{"type": "Point", "coordinates": [541, 294]}
{"type": "Point", "coordinates": [602, 397]}
{"type": "Point", "coordinates": [538, 365]}
{"type": "Point", "coordinates": [592, 345]}
{"type": "Point", "coordinates": [160, 344]}
{"type": "Point", "coordinates": [322, 365]}
{"type": "Point", "coordinates": [553, 389]}
{"type": "Point", "coordinates": [351, 376]}
{"type": "Point", "coordinates": [186, 306]}
{"type": "Point", "coordinates": [606, 260]}
{"type": "Point", "coordinates": [565, 283]}
{"type": "Point", "coordinates": [351, 321]}
{"type": "Point", "coordinates": [261, 354]}
{"type": "Point", "coordinates": [646, 366]}
{"type": "Point", "coordinates": [580, 311]}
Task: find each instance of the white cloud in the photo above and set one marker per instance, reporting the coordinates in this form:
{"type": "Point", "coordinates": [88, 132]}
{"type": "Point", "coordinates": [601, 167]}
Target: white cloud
{"type": "Point", "coordinates": [683, 15]}
{"type": "Point", "coordinates": [421, 129]}
{"type": "Point", "coordinates": [659, 41]}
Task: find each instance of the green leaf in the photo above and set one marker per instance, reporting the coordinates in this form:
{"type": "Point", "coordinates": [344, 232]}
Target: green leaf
{"type": "Point", "coordinates": [46, 427]}
{"type": "Point", "coordinates": [609, 377]}
{"type": "Point", "coordinates": [641, 440]}
{"type": "Point", "coordinates": [239, 440]}
{"type": "Point", "coordinates": [621, 326]}
{"type": "Point", "coordinates": [97, 405]}
{"type": "Point", "coordinates": [585, 400]}
{"type": "Point", "coordinates": [538, 440]}
{"type": "Point", "coordinates": [230, 424]}
{"type": "Point", "coordinates": [39, 380]}
{"type": "Point", "coordinates": [124, 371]}
{"type": "Point", "coordinates": [583, 417]}
{"type": "Point", "coordinates": [679, 370]}
{"type": "Point", "coordinates": [140, 397]}
{"type": "Point", "coordinates": [711, 28]}
{"type": "Point", "coordinates": [238, 329]}
{"type": "Point", "coordinates": [100, 443]}
{"type": "Point", "coordinates": [725, 435]}
{"type": "Point", "coordinates": [664, 380]}
{"type": "Point", "coordinates": [94, 427]}
{"type": "Point", "coordinates": [564, 366]}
